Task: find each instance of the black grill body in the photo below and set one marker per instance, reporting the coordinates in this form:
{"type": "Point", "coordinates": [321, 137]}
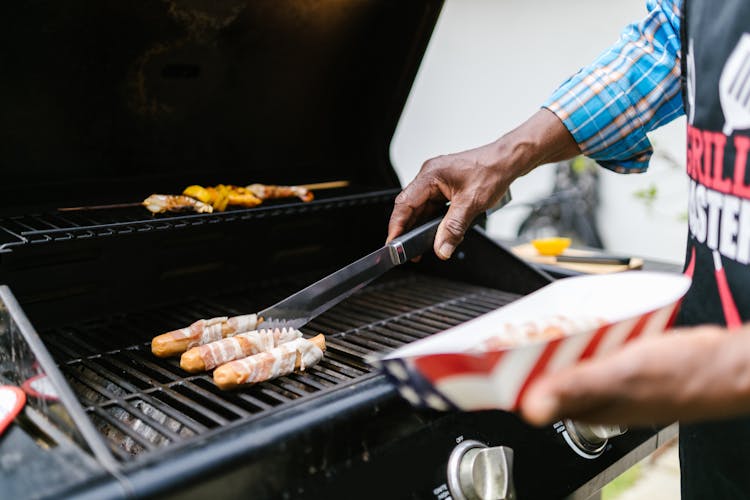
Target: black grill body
{"type": "Point", "coordinates": [111, 102]}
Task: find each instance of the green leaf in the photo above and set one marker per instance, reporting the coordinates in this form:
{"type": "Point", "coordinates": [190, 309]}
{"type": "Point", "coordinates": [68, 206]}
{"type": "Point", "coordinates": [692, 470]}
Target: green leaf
{"type": "Point", "coordinates": [647, 195]}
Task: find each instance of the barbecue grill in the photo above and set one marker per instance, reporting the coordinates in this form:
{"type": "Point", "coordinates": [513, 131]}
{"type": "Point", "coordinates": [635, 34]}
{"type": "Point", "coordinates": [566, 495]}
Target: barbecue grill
{"type": "Point", "coordinates": [111, 102]}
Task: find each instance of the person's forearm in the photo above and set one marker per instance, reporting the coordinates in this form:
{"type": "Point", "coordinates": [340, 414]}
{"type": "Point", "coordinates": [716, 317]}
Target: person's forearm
{"type": "Point", "coordinates": [693, 374]}
{"type": "Point", "coordinates": [541, 139]}
{"type": "Point", "coordinates": [730, 373]}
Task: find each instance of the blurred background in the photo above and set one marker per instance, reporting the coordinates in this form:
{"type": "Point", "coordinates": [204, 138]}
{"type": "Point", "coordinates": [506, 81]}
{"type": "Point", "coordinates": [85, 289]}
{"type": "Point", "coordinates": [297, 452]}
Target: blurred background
{"type": "Point", "coordinates": [490, 65]}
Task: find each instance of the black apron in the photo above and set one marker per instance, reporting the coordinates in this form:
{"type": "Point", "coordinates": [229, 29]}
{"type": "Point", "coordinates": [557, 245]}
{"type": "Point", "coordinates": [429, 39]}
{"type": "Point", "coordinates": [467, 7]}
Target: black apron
{"type": "Point", "coordinates": [715, 456]}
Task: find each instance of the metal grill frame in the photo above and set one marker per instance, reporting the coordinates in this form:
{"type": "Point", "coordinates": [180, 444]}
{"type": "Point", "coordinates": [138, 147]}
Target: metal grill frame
{"type": "Point", "coordinates": [329, 427]}
{"type": "Point", "coordinates": [58, 226]}
{"type": "Point", "coordinates": [378, 319]}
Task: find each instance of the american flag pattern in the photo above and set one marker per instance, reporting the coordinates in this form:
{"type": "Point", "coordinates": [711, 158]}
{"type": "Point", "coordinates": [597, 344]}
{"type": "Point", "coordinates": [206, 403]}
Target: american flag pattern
{"type": "Point", "coordinates": [499, 379]}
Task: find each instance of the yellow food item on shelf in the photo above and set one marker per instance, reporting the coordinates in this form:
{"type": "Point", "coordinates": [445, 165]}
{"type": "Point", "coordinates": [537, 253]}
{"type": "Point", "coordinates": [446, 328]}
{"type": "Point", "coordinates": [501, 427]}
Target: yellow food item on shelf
{"type": "Point", "coordinates": [198, 192]}
{"type": "Point", "coordinates": [551, 246]}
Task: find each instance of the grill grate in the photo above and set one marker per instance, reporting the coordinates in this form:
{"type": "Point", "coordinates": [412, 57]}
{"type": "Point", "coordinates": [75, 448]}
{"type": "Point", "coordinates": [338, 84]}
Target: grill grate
{"type": "Point", "coordinates": [141, 403]}
{"type": "Point", "coordinates": [61, 226]}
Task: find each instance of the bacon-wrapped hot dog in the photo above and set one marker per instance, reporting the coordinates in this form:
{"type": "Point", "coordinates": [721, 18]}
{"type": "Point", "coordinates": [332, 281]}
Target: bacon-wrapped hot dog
{"type": "Point", "coordinates": [202, 332]}
{"type": "Point", "coordinates": [208, 356]}
{"type": "Point", "coordinates": [283, 360]}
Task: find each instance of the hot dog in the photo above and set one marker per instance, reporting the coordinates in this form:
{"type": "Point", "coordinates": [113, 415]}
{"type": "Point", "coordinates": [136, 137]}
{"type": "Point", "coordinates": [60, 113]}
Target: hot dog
{"type": "Point", "coordinates": [208, 356]}
{"type": "Point", "coordinates": [202, 332]}
{"type": "Point", "coordinates": [295, 355]}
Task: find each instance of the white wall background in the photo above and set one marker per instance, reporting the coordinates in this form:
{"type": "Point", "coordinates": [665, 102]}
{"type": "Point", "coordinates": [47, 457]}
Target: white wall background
{"type": "Point", "coordinates": [489, 66]}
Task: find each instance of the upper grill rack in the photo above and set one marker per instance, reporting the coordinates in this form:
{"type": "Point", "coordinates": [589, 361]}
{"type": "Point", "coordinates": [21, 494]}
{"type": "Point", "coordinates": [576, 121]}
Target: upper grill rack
{"type": "Point", "coordinates": [61, 226]}
{"type": "Point", "coordinates": [143, 404]}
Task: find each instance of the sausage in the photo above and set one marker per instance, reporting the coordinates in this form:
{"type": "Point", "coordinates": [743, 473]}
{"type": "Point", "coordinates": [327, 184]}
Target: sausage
{"type": "Point", "coordinates": [202, 332]}
{"type": "Point", "coordinates": [206, 357]}
{"type": "Point", "coordinates": [283, 360]}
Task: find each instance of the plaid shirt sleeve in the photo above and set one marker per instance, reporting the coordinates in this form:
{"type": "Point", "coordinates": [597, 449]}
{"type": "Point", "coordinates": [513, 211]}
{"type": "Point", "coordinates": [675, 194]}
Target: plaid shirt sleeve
{"type": "Point", "coordinates": [629, 90]}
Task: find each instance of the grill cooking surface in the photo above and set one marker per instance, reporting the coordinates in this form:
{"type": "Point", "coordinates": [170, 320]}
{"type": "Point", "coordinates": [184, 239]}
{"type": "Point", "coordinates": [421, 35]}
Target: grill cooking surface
{"type": "Point", "coordinates": [141, 403]}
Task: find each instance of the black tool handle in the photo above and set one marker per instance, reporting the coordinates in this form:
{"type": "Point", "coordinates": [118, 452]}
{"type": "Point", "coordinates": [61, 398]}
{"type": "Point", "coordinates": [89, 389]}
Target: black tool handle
{"type": "Point", "coordinates": [594, 259]}
{"type": "Point", "coordinates": [420, 239]}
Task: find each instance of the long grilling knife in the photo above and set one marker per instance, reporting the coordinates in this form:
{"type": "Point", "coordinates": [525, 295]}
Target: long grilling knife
{"type": "Point", "coordinates": [301, 307]}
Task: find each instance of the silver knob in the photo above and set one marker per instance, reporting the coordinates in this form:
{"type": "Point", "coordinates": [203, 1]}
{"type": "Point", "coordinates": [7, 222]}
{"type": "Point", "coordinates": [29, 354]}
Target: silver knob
{"type": "Point", "coordinates": [479, 472]}
{"type": "Point", "coordinates": [592, 438]}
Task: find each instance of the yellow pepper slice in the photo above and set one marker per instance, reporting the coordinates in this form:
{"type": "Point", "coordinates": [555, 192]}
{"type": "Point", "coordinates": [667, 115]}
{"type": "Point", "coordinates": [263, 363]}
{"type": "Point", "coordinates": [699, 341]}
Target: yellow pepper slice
{"type": "Point", "coordinates": [198, 192]}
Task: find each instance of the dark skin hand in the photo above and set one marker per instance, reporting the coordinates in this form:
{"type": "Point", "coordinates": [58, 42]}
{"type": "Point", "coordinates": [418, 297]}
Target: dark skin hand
{"type": "Point", "coordinates": [476, 179]}
{"type": "Point", "coordinates": [694, 374]}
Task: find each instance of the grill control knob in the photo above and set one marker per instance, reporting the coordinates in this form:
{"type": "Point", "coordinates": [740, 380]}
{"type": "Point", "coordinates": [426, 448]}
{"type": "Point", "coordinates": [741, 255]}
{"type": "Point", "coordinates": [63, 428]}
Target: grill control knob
{"type": "Point", "coordinates": [592, 438]}
{"type": "Point", "coordinates": [479, 472]}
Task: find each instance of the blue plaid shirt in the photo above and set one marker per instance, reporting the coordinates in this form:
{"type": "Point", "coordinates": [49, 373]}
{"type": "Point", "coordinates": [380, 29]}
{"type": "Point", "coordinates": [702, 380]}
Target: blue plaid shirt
{"type": "Point", "coordinates": [631, 89]}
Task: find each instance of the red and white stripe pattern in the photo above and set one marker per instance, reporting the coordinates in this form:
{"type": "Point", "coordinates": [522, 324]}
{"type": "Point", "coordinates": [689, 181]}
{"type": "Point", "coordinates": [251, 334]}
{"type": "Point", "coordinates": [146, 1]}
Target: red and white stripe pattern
{"type": "Point", "coordinates": [244, 344]}
{"type": "Point", "coordinates": [499, 379]}
{"type": "Point", "coordinates": [40, 387]}
{"type": "Point", "coordinates": [12, 400]}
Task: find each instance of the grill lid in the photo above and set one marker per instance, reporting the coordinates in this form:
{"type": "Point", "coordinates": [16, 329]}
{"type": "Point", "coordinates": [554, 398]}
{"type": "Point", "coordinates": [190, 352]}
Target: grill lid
{"type": "Point", "coordinates": [111, 99]}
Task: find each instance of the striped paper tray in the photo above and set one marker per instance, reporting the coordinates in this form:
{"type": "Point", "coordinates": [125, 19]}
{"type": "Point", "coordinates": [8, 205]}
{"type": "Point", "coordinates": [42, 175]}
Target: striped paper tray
{"type": "Point", "coordinates": [489, 362]}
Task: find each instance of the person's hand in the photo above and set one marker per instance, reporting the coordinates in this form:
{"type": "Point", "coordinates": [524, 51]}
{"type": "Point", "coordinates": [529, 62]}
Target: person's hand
{"type": "Point", "coordinates": [475, 180]}
{"type": "Point", "coordinates": [693, 374]}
